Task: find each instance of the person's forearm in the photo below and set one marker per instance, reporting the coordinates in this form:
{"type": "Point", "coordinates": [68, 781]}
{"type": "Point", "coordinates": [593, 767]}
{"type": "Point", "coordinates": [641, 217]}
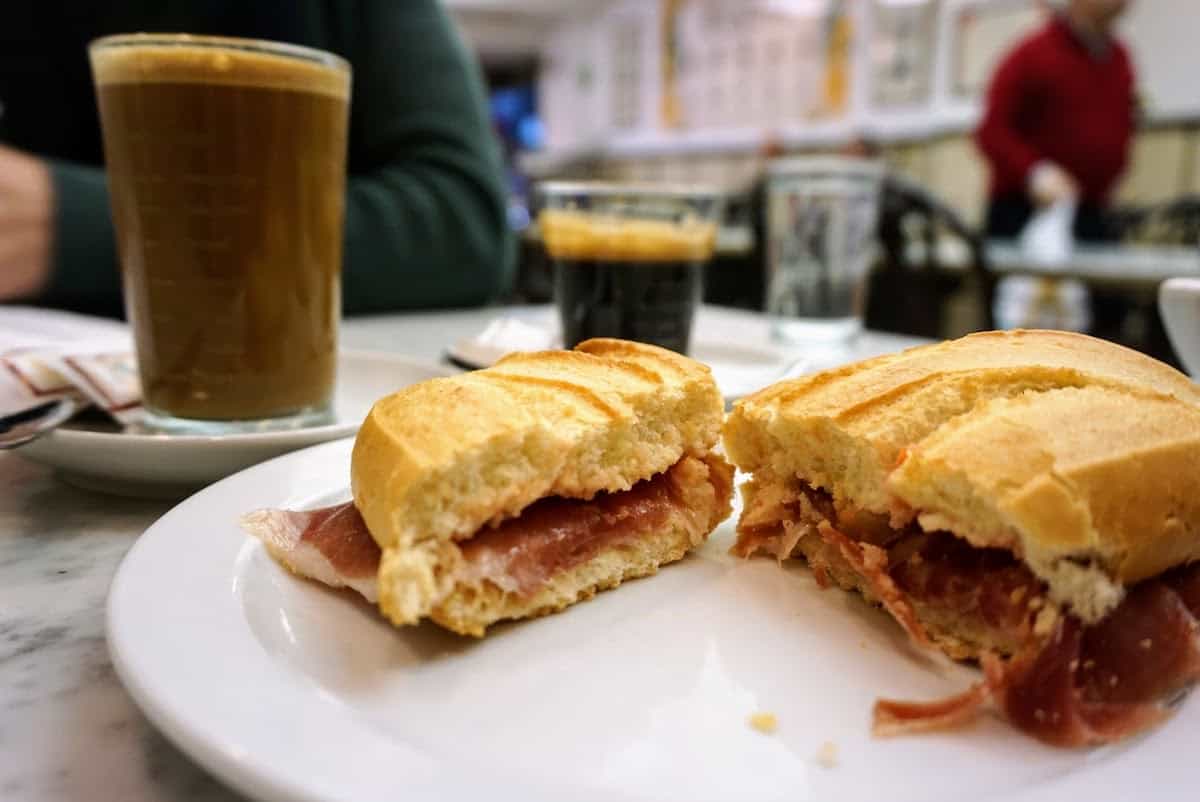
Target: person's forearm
{"type": "Point", "coordinates": [83, 272]}
{"type": "Point", "coordinates": [426, 221]}
{"type": "Point", "coordinates": [423, 237]}
{"type": "Point", "coordinates": [26, 208]}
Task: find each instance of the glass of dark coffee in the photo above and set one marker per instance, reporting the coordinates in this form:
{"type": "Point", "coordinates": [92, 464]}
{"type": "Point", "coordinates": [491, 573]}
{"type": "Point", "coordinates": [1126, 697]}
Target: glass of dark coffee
{"type": "Point", "coordinates": [628, 259]}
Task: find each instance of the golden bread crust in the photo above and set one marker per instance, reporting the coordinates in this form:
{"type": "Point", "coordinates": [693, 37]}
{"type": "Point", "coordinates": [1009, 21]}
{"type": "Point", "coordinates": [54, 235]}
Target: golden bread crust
{"type": "Point", "coordinates": [438, 460]}
{"type": "Point", "coordinates": [1079, 455]}
{"type": "Point", "coordinates": [1089, 476]}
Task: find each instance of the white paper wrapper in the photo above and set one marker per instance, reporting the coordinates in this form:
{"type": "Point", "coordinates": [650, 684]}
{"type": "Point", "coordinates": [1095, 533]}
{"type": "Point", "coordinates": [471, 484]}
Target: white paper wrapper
{"type": "Point", "coordinates": [45, 355]}
{"type": "Point", "coordinates": [503, 336]}
{"type": "Point", "coordinates": [1047, 237]}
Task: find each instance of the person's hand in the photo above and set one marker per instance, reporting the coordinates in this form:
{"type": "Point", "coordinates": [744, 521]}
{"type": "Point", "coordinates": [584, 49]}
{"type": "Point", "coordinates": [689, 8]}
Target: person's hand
{"type": "Point", "coordinates": [1050, 184]}
{"type": "Point", "coordinates": [26, 222]}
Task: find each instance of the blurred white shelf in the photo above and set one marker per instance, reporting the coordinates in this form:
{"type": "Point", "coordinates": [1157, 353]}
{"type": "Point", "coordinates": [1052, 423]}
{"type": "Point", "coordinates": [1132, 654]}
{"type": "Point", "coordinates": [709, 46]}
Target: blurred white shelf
{"type": "Point", "coordinates": [1141, 263]}
{"type": "Point", "coordinates": [1109, 263]}
{"type": "Point", "coordinates": [897, 126]}
{"type": "Point", "coordinates": [900, 126]}
{"type": "Point", "coordinates": [653, 143]}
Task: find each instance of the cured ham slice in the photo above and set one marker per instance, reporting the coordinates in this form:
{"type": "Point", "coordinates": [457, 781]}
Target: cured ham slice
{"type": "Point", "coordinates": [1064, 683]}
{"type": "Point", "coordinates": [556, 534]}
{"type": "Point", "coordinates": [986, 586]}
{"type": "Point", "coordinates": [894, 717]}
{"type": "Point", "coordinates": [1148, 648]}
{"type": "Point", "coordinates": [333, 545]}
{"type": "Point", "coordinates": [1080, 685]}
{"type": "Point", "coordinates": [871, 563]}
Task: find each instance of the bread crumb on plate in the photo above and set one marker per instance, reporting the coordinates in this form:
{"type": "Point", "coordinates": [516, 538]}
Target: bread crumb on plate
{"type": "Point", "coordinates": [827, 755]}
{"type": "Point", "coordinates": [764, 722]}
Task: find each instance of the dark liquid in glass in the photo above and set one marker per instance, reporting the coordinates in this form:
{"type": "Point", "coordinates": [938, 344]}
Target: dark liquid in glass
{"type": "Point", "coordinates": [647, 301]}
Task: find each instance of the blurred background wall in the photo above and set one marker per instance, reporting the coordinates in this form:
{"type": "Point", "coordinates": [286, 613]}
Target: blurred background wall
{"type": "Point", "coordinates": [700, 89]}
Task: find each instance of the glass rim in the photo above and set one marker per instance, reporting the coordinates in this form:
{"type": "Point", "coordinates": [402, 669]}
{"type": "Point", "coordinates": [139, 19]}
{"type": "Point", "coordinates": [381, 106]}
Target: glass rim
{"type": "Point", "coordinates": [268, 47]}
{"type": "Point", "coordinates": [633, 188]}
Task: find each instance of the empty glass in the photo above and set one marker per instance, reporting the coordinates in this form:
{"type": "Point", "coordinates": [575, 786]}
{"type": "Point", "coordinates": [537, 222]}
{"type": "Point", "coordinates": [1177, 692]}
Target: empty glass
{"type": "Point", "coordinates": [821, 221]}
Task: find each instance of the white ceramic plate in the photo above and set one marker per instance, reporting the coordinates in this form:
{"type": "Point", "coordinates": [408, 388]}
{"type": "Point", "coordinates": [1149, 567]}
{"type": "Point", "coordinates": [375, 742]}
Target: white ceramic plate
{"type": "Point", "coordinates": [165, 464]}
{"type": "Point", "coordinates": [287, 690]}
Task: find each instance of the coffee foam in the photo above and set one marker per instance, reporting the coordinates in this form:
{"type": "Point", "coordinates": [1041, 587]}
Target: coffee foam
{"type": "Point", "coordinates": [580, 235]}
{"type": "Point", "coordinates": [184, 63]}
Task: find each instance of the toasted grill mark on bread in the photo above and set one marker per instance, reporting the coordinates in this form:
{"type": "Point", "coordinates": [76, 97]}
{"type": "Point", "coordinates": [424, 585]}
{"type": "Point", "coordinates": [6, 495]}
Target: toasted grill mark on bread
{"type": "Point", "coordinates": [550, 360]}
{"type": "Point", "coordinates": [636, 357]}
{"type": "Point", "coordinates": [585, 394]}
{"type": "Point", "coordinates": [786, 393]}
{"type": "Point", "coordinates": [640, 371]}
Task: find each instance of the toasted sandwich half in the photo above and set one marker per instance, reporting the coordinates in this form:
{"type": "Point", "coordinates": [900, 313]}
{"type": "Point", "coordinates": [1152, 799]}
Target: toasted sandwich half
{"type": "Point", "coordinates": [1027, 499]}
{"type": "Point", "coordinates": [519, 490]}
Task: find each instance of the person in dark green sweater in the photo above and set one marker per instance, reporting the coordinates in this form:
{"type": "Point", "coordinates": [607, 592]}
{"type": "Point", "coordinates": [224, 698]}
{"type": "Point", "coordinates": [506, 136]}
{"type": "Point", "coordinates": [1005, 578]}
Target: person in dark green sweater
{"type": "Point", "coordinates": [426, 210]}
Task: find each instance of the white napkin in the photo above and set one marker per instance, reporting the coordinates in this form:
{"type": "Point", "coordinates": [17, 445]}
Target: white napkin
{"type": "Point", "coordinates": [504, 335]}
{"type": "Point", "coordinates": [1047, 238]}
{"type": "Point", "coordinates": [46, 355]}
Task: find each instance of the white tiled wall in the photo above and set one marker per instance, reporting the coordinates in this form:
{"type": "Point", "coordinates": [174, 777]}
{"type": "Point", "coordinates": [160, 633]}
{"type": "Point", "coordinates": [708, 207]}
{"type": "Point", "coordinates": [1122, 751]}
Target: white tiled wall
{"type": "Point", "coordinates": [754, 71]}
{"type": "Point", "coordinates": [1160, 166]}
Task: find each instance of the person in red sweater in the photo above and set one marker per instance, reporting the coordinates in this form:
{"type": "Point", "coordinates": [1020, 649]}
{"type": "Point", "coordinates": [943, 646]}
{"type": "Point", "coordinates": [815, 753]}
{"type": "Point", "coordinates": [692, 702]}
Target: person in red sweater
{"type": "Point", "coordinates": [1059, 119]}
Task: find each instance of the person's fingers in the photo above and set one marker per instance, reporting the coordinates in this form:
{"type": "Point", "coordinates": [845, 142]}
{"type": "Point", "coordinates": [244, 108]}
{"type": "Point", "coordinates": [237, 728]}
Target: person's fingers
{"type": "Point", "coordinates": [1049, 184]}
{"type": "Point", "coordinates": [26, 221]}
{"type": "Point", "coordinates": [24, 263]}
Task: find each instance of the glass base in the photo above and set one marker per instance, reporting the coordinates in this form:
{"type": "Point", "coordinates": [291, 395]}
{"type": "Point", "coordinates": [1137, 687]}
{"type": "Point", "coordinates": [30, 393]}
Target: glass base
{"type": "Point", "coordinates": [815, 330]}
{"type": "Point", "coordinates": [159, 422]}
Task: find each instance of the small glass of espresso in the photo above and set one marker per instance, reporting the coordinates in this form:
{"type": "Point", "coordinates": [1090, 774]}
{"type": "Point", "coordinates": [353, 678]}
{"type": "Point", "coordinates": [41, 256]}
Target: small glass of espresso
{"type": "Point", "coordinates": [628, 259]}
{"type": "Point", "coordinates": [226, 163]}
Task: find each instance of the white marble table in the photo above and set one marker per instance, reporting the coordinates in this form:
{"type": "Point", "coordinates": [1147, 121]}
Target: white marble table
{"type": "Point", "coordinates": [68, 731]}
{"type": "Point", "coordinates": [1108, 263]}
{"type": "Point", "coordinates": [1119, 264]}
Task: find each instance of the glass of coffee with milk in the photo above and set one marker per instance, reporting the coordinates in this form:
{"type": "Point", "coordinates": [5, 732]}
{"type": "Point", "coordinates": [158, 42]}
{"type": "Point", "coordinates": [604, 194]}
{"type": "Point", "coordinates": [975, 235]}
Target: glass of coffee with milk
{"type": "Point", "coordinates": [226, 163]}
{"type": "Point", "coordinates": [628, 259]}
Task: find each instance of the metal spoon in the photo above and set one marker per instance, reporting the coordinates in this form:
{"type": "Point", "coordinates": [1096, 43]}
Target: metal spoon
{"type": "Point", "coordinates": [21, 427]}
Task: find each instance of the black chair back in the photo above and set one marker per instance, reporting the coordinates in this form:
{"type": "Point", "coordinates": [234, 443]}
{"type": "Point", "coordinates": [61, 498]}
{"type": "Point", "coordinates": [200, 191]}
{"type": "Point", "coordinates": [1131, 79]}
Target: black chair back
{"type": "Point", "coordinates": [910, 290]}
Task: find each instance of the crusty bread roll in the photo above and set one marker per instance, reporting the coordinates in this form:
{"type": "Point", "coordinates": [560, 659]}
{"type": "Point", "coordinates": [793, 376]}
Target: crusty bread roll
{"type": "Point", "coordinates": [1095, 487]}
{"type": "Point", "coordinates": [439, 461]}
{"type": "Point", "coordinates": [847, 427]}
{"type": "Point", "coordinates": [1079, 456]}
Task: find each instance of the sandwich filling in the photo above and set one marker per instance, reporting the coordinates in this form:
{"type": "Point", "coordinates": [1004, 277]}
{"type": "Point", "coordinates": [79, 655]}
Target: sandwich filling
{"type": "Point", "coordinates": [1053, 676]}
{"type": "Point", "coordinates": [520, 555]}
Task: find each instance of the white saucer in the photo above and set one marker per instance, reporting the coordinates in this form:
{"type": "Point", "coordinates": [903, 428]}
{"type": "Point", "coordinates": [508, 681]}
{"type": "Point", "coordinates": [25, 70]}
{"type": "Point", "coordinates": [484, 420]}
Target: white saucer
{"type": "Point", "coordinates": [166, 465]}
{"type": "Point", "coordinates": [290, 691]}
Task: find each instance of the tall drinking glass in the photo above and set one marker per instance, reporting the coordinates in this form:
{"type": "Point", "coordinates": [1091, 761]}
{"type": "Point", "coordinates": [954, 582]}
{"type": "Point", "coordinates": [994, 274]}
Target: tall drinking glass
{"type": "Point", "coordinates": [226, 165]}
